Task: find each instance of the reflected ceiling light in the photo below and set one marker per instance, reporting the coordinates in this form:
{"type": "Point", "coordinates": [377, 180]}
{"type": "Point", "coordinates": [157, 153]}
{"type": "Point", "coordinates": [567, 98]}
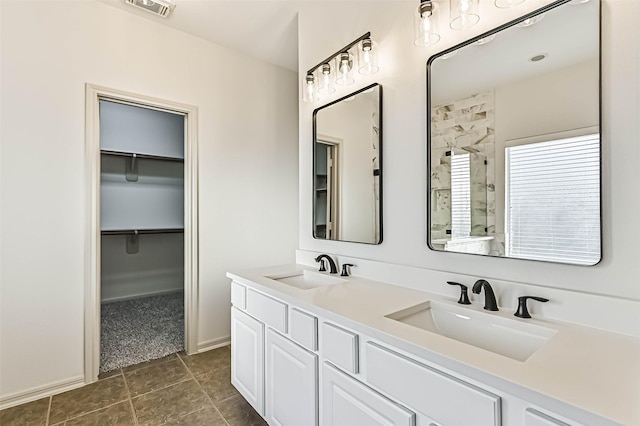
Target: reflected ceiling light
{"type": "Point", "coordinates": [449, 55]}
{"type": "Point", "coordinates": [339, 68]}
{"type": "Point", "coordinates": [464, 14]}
{"type": "Point", "coordinates": [159, 7]}
{"type": "Point", "coordinates": [425, 24]}
{"type": "Point", "coordinates": [538, 58]}
{"type": "Point", "coordinates": [530, 21]}
{"type": "Point", "coordinates": [503, 4]}
{"type": "Point", "coordinates": [575, 2]}
{"type": "Point", "coordinates": [485, 40]}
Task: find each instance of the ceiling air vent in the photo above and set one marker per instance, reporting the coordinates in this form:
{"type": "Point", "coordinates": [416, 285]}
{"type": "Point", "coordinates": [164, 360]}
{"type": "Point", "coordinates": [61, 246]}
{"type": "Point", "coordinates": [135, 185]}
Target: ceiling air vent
{"type": "Point", "coordinates": [159, 7]}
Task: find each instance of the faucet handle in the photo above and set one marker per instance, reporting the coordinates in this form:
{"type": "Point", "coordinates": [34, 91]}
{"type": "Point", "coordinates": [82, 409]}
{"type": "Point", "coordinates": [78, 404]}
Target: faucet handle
{"type": "Point", "coordinates": [323, 265]}
{"type": "Point", "coordinates": [522, 311]}
{"type": "Point", "coordinates": [345, 270]}
{"type": "Point", "coordinates": [464, 296]}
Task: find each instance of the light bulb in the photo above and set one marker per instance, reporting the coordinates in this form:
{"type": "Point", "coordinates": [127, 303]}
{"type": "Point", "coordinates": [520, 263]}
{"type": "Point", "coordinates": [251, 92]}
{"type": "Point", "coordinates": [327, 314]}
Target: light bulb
{"type": "Point", "coordinates": [345, 68]}
{"type": "Point", "coordinates": [425, 24]}
{"type": "Point", "coordinates": [367, 57]}
{"type": "Point", "coordinates": [309, 93]}
{"type": "Point", "coordinates": [325, 80]}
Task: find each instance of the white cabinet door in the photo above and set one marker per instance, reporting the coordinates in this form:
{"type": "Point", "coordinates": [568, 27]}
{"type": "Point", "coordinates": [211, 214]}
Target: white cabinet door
{"type": "Point", "coordinates": [291, 380]}
{"type": "Point", "coordinates": [247, 358]}
{"type": "Point", "coordinates": [347, 402]}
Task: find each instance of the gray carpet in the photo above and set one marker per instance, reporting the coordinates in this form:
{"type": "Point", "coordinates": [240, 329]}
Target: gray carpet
{"type": "Point", "coordinates": [138, 330]}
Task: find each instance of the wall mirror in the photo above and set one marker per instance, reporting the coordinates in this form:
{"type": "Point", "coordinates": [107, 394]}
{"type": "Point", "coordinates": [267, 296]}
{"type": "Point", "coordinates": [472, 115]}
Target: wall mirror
{"type": "Point", "coordinates": [347, 168]}
{"type": "Point", "coordinates": [514, 139]}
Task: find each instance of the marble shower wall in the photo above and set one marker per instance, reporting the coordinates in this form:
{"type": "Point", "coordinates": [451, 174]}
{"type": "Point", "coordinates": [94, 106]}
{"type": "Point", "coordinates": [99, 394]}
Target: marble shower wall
{"type": "Point", "coordinates": [467, 124]}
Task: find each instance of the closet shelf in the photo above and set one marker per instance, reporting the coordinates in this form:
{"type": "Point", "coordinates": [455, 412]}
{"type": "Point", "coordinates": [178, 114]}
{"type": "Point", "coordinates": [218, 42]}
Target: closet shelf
{"type": "Point", "coordinates": [141, 156]}
{"type": "Point", "coordinates": [143, 231]}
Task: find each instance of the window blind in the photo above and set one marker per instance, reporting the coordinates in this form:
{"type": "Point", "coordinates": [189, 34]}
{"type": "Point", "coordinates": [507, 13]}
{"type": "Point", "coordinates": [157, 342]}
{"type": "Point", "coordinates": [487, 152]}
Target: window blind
{"type": "Point", "coordinates": [460, 196]}
{"type": "Point", "coordinates": [553, 200]}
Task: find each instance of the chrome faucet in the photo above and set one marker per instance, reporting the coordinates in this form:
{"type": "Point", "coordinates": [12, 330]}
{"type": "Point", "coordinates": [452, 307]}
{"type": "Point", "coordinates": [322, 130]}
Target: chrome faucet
{"type": "Point", "coordinates": [333, 268]}
{"type": "Point", "coordinates": [490, 303]}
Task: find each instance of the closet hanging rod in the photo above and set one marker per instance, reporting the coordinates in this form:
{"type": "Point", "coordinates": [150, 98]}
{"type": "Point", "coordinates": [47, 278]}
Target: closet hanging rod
{"type": "Point", "coordinates": [142, 156]}
{"type": "Point", "coordinates": [143, 231]}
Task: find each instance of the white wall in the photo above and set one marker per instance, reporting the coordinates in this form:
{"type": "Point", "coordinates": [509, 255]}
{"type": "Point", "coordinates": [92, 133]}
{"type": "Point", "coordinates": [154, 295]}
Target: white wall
{"type": "Point", "coordinates": [403, 74]}
{"type": "Point", "coordinates": [247, 162]}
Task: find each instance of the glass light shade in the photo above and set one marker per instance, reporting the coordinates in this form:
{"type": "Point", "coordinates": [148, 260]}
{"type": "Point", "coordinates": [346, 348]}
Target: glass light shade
{"type": "Point", "coordinates": [344, 73]}
{"type": "Point", "coordinates": [530, 21]}
{"type": "Point", "coordinates": [309, 88]}
{"type": "Point", "coordinates": [325, 79]}
{"type": "Point", "coordinates": [367, 57]}
{"type": "Point", "coordinates": [464, 14]}
{"type": "Point", "coordinates": [425, 24]}
{"type": "Point", "coordinates": [504, 4]}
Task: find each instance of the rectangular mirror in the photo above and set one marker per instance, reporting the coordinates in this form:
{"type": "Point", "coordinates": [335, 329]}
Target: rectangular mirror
{"type": "Point", "coordinates": [347, 168]}
{"type": "Point", "coordinates": [514, 139]}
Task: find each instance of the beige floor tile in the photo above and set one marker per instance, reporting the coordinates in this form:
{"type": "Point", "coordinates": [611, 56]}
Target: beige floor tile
{"type": "Point", "coordinates": [238, 412]}
{"type": "Point", "coordinates": [117, 415]}
{"type": "Point", "coordinates": [208, 417]}
{"type": "Point", "coordinates": [217, 384]}
{"type": "Point", "coordinates": [29, 414]}
{"type": "Point", "coordinates": [149, 363]}
{"type": "Point", "coordinates": [170, 404]}
{"type": "Point", "coordinates": [109, 374]}
{"type": "Point", "coordinates": [95, 396]}
{"type": "Point", "coordinates": [208, 361]}
{"type": "Point", "coordinates": [156, 376]}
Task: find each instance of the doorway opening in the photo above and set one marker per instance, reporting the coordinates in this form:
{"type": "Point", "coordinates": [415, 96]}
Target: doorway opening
{"type": "Point", "coordinates": [141, 295]}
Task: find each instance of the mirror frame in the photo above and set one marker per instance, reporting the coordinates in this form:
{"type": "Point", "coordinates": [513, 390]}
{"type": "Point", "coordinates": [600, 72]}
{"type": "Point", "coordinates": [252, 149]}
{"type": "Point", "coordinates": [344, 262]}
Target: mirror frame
{"type": "Point", "coordinates": [380, 156]}
{"type": "Point", "coordinates": [468, 42]}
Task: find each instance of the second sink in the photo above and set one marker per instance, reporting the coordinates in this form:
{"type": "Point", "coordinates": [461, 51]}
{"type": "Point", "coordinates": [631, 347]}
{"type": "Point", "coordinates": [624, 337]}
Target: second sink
{"type": "Point", "coordinates": [511, 338]}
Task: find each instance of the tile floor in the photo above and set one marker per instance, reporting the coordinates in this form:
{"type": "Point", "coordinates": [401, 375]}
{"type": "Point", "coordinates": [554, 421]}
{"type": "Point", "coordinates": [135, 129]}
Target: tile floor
{"type": "Point", "coordinates": [176, 390]}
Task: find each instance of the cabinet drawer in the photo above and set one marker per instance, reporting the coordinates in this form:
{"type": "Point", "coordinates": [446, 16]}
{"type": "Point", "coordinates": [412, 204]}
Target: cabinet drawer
{"type": "Point", "coordinates": [304, 329]}
{"type": "Point", "coordinates": [445, 399]}
{"type": "Point", "coordinates": [268, 310]}
{"type": "Point", "coordinates": [238, 292]}
{"type": "Point", "coordinates": [340, 347]}
{"type": "Point", "coordinates": [347, 402]}
{"type": "Point", "coordinates": [536, 418]}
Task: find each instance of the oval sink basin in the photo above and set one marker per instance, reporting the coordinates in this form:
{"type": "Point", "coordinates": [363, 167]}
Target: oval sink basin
{"type": "Point", "coordinates": [306, 280]}
{"type": "Point", "coordinates": [509, 337]}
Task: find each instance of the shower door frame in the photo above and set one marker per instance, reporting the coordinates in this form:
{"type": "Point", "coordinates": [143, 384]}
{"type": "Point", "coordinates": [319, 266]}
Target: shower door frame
{"type": "Point", "coordinates": [93, 95]}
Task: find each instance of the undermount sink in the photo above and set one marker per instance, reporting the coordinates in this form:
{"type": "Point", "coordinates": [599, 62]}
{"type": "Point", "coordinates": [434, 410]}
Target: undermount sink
{"type": "Point", "coordinates": [509, 337]}
{"type": "Point", "coordinates": [306, 280]}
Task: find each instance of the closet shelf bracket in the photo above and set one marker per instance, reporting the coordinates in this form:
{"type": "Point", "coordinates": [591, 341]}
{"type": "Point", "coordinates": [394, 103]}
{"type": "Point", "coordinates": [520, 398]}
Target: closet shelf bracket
{"type": "Point", "coordinates": [131, 173]}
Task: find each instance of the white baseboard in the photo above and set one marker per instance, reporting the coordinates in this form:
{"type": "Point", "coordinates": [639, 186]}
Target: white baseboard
{"type": "Point", "coordinates": [40, 392]}
{"type": "Point", "coordinates": [214, 344]}
{"type": "Point", "coordinates": [141, 295]}
{"type": "Point", "coordinates": [141, 284]}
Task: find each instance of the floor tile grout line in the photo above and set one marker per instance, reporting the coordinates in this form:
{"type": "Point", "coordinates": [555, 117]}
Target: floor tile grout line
{"type": "Point", "coordinates": [215, 407]}
{"type": "Point", "coordinates": [91, 412]}
{"type": "Point", "coordinates": [48, 411]}
{"type": "Point", "coordinates": [133, 410]}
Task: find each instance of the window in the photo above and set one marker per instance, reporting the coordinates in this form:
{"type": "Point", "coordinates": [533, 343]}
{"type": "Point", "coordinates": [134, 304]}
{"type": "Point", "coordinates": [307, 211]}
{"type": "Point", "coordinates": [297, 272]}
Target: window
{"type": "Point", "coordinates": [460, 196]}
{"type": "Point", "coordinates": [552, 200]}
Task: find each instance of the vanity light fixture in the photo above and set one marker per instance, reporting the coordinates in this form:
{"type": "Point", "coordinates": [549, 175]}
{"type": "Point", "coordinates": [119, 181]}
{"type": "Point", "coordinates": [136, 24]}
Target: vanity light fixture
{"type": "Point", "coordinates": [464, 14]}
{"type": "Point", "coordinates": [159, 7]}
{"type": "Point", "coordinates": [425, 24]}
{"type": "Point", "coordinates": [339, 68]}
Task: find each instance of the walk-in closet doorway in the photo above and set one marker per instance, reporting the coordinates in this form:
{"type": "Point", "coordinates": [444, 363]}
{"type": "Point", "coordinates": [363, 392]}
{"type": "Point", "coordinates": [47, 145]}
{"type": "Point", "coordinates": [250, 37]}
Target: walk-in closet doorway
{"type": "Point", "coordinates": [124, 219]}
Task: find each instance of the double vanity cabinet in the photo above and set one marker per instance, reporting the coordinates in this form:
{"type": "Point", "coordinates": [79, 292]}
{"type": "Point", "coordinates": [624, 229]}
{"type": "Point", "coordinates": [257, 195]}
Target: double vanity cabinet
{"type": "Point", "coordinates": [322, 355]}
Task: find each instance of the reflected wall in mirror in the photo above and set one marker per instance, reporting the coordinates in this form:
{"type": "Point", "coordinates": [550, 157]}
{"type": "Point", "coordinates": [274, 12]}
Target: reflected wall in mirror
{"type": "Point", "coordinates": [514, 140]}
{"type": "Point", "coordinates": [347, 168]}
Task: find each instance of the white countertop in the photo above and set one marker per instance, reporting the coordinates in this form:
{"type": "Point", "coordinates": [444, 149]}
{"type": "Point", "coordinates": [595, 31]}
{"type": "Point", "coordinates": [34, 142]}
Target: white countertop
{"type": "Point", "coordinates": [593, 370]}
